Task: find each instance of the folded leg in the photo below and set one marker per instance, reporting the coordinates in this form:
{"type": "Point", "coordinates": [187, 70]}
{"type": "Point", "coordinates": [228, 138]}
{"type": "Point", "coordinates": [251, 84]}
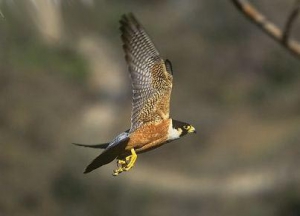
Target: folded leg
{"type": "Point", "coordinates": [127, 164]}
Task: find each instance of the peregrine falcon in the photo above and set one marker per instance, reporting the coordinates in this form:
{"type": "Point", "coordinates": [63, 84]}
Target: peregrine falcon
{"type": "Point", "coordinates": [151, 126]}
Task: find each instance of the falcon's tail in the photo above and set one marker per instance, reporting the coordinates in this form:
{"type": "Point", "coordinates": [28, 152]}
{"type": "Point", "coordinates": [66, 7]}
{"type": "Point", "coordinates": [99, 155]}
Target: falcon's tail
{"type": "Point", "coordinates": [108, 155]}
{"type": "Point", "coordinates": [99, 146]}
{"type": "Point", "coordinates": [112, 151]}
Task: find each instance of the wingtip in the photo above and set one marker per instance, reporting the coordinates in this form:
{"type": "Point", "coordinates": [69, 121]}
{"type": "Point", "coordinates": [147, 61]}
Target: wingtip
{"type": "Point", "coordinates": [87, 170]}
{"type": "Point", "coordinates": [76, 144]}
{"type": "Point", "coordinates": [97, 146]}
{"type": "Point", "coordinates": [127, 15]}
{"type": "Point", "coordinates": [129, 22]}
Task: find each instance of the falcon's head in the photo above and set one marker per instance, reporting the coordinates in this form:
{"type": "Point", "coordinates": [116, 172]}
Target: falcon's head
{"type": "Point", "coordinates": [178, 129]}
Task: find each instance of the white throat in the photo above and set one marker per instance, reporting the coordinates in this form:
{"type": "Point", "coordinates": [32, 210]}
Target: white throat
{"type": "Point", "coordinates": [173, 133]}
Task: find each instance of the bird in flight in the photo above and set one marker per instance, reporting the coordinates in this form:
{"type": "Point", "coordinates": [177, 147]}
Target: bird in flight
{"type": "Point", "coordinates": [151, 125]}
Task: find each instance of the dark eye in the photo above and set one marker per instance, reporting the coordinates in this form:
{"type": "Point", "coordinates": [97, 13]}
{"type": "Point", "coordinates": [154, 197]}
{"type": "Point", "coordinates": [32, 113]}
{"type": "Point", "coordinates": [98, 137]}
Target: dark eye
{"type": "Point", "coordinates": [186, 127]}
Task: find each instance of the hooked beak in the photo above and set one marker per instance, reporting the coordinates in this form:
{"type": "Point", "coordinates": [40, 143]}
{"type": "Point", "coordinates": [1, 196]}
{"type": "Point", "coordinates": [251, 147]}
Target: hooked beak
{"type": "Point", "coordinates": [192, 130]}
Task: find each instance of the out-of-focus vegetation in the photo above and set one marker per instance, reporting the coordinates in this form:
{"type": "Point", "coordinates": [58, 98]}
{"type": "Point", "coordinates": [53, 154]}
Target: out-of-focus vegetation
{"type": "Point", "coordinates": [63, 79]}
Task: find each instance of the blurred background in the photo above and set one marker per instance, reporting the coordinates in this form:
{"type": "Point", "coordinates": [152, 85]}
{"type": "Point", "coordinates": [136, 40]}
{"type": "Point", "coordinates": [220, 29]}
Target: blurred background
{"type": "Point", "coordinates": [63, 79]}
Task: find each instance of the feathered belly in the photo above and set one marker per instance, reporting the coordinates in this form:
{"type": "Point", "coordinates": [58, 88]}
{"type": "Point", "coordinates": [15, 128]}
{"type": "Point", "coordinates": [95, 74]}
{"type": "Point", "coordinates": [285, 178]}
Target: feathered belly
{"type": "Point", "coordinates": [148, 137]}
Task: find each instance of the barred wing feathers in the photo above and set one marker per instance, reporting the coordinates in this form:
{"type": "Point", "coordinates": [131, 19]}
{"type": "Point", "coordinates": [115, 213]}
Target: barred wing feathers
{"type": "Point", "coordinates": [151, 81]}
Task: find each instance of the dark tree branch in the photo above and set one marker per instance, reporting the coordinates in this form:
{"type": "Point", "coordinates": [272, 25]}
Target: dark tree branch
{"type": "Point", "coordinates": [282, 37]}
{"type": "Point", "coordinates": [290, 21]}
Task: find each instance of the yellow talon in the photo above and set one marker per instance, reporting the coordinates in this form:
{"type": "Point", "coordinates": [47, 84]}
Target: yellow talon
{"type": "Point", "coordinates": [117, 171]}
{"type": "Point", "coordinates": [127, 159]}
{"type": "Point", "coordinates": [132, 158]}
{"type": "Point", "coordinates": [127, 164]}
{"type": "Point", "coordinates": [120, 164]}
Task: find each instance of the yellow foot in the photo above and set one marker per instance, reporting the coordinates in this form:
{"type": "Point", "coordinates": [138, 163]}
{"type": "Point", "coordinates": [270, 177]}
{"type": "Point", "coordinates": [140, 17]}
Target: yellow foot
{"type": "Point", "coordinates": [130, 160]}
{"type": "Point", "coordinates": [117, 171]}
{"type": "Point", "coordinates": [127, 164]}
{"type": "Point", "coordinates": [120, 164]}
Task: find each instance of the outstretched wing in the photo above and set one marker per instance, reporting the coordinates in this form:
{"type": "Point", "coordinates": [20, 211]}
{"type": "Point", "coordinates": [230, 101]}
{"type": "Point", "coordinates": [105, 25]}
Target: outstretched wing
{"type": "Point", "coordinates": [151, 80]}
